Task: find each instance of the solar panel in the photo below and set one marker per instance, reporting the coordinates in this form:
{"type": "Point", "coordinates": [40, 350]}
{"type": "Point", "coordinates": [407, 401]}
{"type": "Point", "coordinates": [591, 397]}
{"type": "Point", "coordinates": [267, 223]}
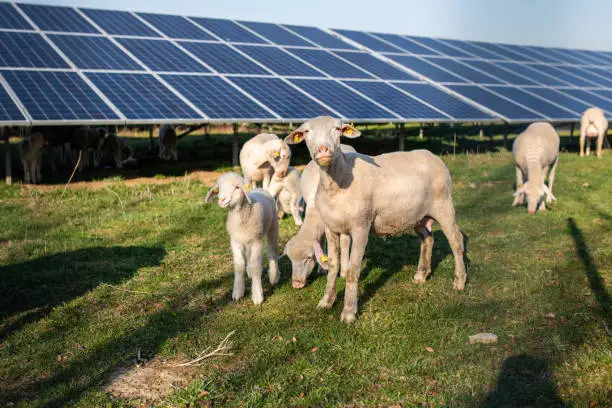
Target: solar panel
{"type": "Point", "coordinates": [320, 37]}
{"type": "Point", "coordinates": [531, 72]}
{"type": "Point", "coordinates": [161, 55]}
{"type": "Point", "coordinates": [396, 100]}
{"type": "Point", "coordinates": [91, 52]}
{"type": "Point", "coordinates": [343, 100]}
{"type": "Point", "coordinates": [279, 61]}
{"type": "Point", "coordinates": [64, 19]}
{"type": "Point", "coordinates": [374, 65]}
{"type": "Point", "coordinates": [276, 34]}
{"type": "Point", "coordinates": [509, 110]}
{"type": "Point", "coordinates": [533, 102]}
{"type": "Point", "coordinates": [228, 30]}
{"type": "Point", "coordinates": [440, 47]}
{"type": "Point", "coordinates": [141, 96]}
{"type": "Point", "coordinates": [590, 98]}
{"type": "Point", "coordinates": [329, 63]}
{"type": "Point", "coordinates": [176, 27]}
{"type": "Point", "coordinates": [10, 18]}
{"type": "Point", "coordinates": [504, 75]}
{"type": "Point", "coordinates": [282, 98]}
{"type": "Point", "coordinates": [426, 69]}
{"type": "Point", "coordinates": [57, 96]}
{"type": "Point", "coordinates": [223, 59]}
{"type": "Point", "coordinates": [28, 50]}
{"type": "Point", "coordinates": [9, 112]}
{"type": "Point", "coordinates": [119, 23]}
{"type": "Point", "coordinates": [453, 106]}
{"type": "Point", "coordinates": [405, 44]}
{"type": "Point", "coordinates": [463, 70]}
{"type": "Point", "coordinates": [560, 73]}
{"type": "Point", "coordinates": [368, 40]}
{"type": "Point", "coordinates": [216, 98]}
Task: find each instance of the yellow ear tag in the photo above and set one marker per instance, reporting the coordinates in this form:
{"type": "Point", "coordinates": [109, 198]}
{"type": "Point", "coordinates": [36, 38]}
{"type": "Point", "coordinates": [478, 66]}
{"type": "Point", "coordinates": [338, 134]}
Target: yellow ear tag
{"type": "Point", "coordinates": [296, 139]}
{"type": "Point", "coordinates": [276, 153]}
{"type": "Point", "coordinates": [324, 258]}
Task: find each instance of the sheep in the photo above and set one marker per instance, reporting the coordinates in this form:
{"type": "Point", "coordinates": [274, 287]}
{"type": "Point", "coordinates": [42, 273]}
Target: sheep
{"type": "Point", "coordinates": [287, 192]}
{"type": "Point", "coordinates": [305, 247]}
{"type": "Point", "coordinates": [261, 157]}
{"type": "Point", "coordinates": [389, 194]}
{"type": "Point", "coordinates": [30, 154]}
{"type": "Point", "coordinates": [167, 143]}
{"type": "Point", "coordinates": [109, 142]}
{"type": "Point", "coordinates": [251, 217]}
{"type": "Point", "coordinates": [593, 125]}
{"type": "Point", "coordinates": [534, 151]}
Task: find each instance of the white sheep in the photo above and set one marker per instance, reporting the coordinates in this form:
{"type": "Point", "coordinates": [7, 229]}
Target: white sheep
{"type": "Point", "coordinates": [389, 194]}
{"type": "Point", "coordinates": [251, 217]}
{"type": "Point", "coordinates": [286, 190]}
{"type": "Point", "coordinates": [593, 125]}
{"type": "Point", "coordinates": [534, 151]}
{"type": "Point", "coordinates": [30, 152]}
{"type": "Point", "coordinates": [262, 157]}
{"type": "Point", "coordinates": [167, 143]}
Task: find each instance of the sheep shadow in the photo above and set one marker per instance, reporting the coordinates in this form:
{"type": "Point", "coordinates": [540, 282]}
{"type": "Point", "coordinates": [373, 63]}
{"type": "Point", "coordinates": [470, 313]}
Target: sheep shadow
{"type": "Point", "coordinates": [31, 289]}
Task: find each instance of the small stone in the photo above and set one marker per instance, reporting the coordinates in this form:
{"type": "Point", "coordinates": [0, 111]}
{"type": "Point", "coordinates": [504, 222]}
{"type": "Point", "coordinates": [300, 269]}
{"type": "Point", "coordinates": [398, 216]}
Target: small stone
{"type": "Point", "coordinates": [483, 338]}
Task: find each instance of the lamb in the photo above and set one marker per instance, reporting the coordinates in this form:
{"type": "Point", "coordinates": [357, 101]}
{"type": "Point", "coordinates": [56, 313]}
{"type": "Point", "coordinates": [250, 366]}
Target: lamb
{"type": "Point", "coordinates": [287, 192]}
{"type": "Point", "coordinates": [251, 217]}
{"type": "Point", "coordinates": [593, 125]}
{"type": "Point", "coordinates": [534, 151]}
{"type": "Point", "coordinates": [261, 157]}
{"type": "Point", "coordinates": [167, 143]}
{"type": "Point", "coordinates": [389, 194]}
{"type": "Point", "coordinates": [305, 247]}
{"type": "Point", "coordinates": [30, 153]}
{"type": "Point", "coordinates": [109, 142]}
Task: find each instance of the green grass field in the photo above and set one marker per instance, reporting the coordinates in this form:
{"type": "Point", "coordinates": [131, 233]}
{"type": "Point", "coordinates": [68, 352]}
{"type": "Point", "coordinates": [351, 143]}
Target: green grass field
{"type": "Point", "coordinates": [91, 278]}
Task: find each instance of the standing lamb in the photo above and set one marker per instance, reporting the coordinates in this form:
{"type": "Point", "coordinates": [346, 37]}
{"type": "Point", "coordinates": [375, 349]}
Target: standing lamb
{"type": "Point", "coordinates": [288, 194]}
{"type": "Point", "coordinates": [534, 151]}
{"type": "Point", "coordinates": [251, 217]}
{"type": "Point", "coordinates": [389, 194]}
{"type": "Point", "coordinates": [593, 125]}
{"type": "Point", "coordinates": [167, 143]}
{"type": "Point", "coordinates": [263, 156]}
{"type": "Point", "coordinates": [30, 153]}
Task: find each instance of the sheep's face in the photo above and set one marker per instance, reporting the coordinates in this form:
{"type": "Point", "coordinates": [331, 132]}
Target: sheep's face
{"type": "Point", "coordinates": [231, 190]}
{"type": "Point", "coordinates": [279, 156]}
{"type": "Point", "coordinates": [322, 136]}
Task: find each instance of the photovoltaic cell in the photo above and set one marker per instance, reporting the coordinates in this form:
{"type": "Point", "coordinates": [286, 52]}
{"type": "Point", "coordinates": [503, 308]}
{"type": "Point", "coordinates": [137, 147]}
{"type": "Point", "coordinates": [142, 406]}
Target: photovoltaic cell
{"type": "Point", "coordinates": [532, 102]}
{"type": "Point", "coordinates": [279, 61]}
{"type": "Point", "coordinates": [176, 27]}
{"type": "Point", "coordinates": [406, 44]}
{"type": "Point", "coordinates": [216, 98]}
{"type": "Point", "coordinates": [161, 55]}
{"type": "Point", "coordinates": [276, 34]}
{"type": "Point", "coordinates": [64, 19]}
{"type": "Point", "coordinates": [504, 75]}
{"type": "Point", "coordinates": [223, 59]}
{"type": "Point", "coordinates": [463, 70]}
{"type": "Point", "coordinates": [329, 63]}
{"type": "Point", "coordinates": [10, 18]}
{"type": "Point", "coordinates": [560, 73]}
{"type": "Point", "coordinates": [368, 40]}
{"type": "Point", "coordinates": [119, 23]}
{"type": "Point", "coordinates": [560, 99]}
{"type": "Point", "coordinates": [592, 99]}
{"type": "Point", "coordinates": [320, 37]}
{"type": "Point", "coordinates": [395, 100]}
{"type": "Point", "coordinates": [342, 99]}
{"type": "Point", "coordinates": [88, 52]}
{"type": "Point", "coordinates": [141, 96]}
{"type": "Point", "coordinates": [8, 110]}
{"type": "Point", "coordinates": [228, 30]}
{"type": "Point", "coordinates": [57, 96]}
{"type": "Point", "coordinates": [426, 69]}
{"type": "Point", "coordinates": [28, 50]}
{"type": "Point", "coordinates": [453, 106]}
{"type": "Point", "coordinates": [440, 47]}
{"type": "Point", "coordinates": [495, 103]}
{"type": "Point", "coordinates": [375, 66]}
{"type": "Point", "coordinates": [531, 72]}
{"type": "Point", "coordinates": [282, 98]}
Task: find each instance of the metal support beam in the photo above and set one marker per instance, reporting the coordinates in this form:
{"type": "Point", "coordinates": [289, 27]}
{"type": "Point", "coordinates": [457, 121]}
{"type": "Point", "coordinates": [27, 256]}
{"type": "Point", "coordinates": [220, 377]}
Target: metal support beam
{"type": "Point", "coordinates": [235, 147]}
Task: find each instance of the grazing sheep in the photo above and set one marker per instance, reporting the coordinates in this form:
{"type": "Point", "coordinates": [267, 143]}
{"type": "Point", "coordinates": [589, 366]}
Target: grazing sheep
{"type": "Point", "coordinates": [389, 194]}
{"type": "Point", "coordinates": [288, 194]}
{"type": "Point", "coordinates": [534, 151]}
{"type": "Point", "coordinates": [167, 143]}
{"type": "Point", "coordinates": [251, 217]}
{"type": "Point", "coordinates": [305, 247]}
{"type": "Point", "coordinates": [593, 125]}
{"type": "Point", "coordinates": [109, 142]}
{"type": "Point", "coordinates": [261, 157]}
{"type": "Point", "coordinates": [30, 154]}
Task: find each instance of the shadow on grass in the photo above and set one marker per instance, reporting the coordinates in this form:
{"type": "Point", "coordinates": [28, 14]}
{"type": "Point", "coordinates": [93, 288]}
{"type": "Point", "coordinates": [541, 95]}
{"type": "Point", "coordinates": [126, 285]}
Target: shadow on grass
{"type": "Point", "coordinates": [31, 289]}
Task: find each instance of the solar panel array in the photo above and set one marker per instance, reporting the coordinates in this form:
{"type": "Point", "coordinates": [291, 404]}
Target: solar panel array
{"type": "Point", "coordinates": [61, 65]}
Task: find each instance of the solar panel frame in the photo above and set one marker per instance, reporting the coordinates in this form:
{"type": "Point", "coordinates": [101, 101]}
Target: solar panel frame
{"type": "Point", "coordinates": [28, 50]}
{"type": "Point", "coordinates": [11, 19]}
{"type": "Point", "coordinates": [162, 55]}
{"type": "Point", "coordinates": [176, 27]}
{"type": "Point", "coordinates": [57, 18]}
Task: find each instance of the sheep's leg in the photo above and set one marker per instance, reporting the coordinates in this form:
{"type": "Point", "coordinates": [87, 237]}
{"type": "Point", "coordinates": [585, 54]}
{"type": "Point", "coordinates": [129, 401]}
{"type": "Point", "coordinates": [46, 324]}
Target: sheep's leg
{"type": "Point", "coordinates": [333, 242]}
{"type": "Point", "coordinates": [254, 266]}
{"type": "Point", "coordinates": [551, 180]}
{"type": "Point", "coordinates": [600, 140]}
{"type": "Point", "coordinates": [239, 256]}
{"type": "Point", "coordinates": [360, 241]}
{"type": "Point", "coordinates": [273, 274]}
{"type": "Point", "coordinates": [295, 211]}
{"type": "Point", "coordinates": [518, 198]}
{"type": "Point", "coordinates": [455, 239]}
{"type": "Point", "coordinates": [424, 268]}
{"type": "Point", "coordinates": [345, 245]}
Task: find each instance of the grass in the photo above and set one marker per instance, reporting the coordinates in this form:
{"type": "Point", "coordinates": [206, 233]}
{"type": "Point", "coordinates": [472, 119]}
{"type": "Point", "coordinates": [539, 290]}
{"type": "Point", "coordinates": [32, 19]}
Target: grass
{"type": "Point", "coordinates": [90, 278]}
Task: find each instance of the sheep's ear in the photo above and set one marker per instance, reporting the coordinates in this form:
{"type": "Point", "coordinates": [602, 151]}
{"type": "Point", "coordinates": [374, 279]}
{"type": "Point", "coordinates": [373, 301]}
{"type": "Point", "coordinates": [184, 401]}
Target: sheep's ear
{"type": "Point", "coordinates": [350, 131]}
{"type": "Point", "coordinates": [322, 259]}
{"type": "Point", "coordinates": [295, 137]}
{"type": "Point", "coordinates": [245, 189]}
{"type": "Point", "coordinates": [214, 191]}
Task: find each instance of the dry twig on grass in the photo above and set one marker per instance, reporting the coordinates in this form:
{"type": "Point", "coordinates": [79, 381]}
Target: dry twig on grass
{"type": "Point", "coordinates": [221, 350]}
